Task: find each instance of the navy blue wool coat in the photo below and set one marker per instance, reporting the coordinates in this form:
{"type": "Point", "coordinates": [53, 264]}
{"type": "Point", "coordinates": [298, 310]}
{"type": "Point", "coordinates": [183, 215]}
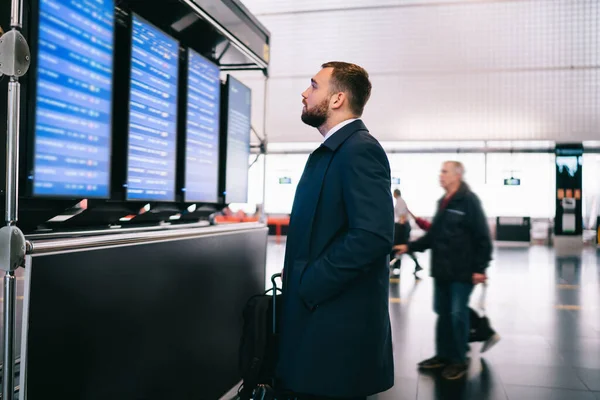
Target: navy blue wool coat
{"type": "Point", "coordinates": [335, 335]}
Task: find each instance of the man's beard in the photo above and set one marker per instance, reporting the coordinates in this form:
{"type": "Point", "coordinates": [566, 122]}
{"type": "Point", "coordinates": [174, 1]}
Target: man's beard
{"type": "Point", "coordinates": [316, 116]}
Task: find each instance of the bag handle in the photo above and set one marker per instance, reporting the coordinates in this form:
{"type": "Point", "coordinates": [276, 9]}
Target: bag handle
{"type": "Point", "coordinates": [275, 289]}
{"type": "Point", "coordinates": [482, 297]}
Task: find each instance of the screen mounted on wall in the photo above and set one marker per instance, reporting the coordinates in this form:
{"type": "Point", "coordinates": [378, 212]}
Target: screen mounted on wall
{"type": "Point", "coordinates": [239, 99]}
{"type": "Point", "coordinates": [152, 134]}
{"type": "Point", "coordinates": [73, 104]}
{"type": "Point", "coordinates": [202, 130]}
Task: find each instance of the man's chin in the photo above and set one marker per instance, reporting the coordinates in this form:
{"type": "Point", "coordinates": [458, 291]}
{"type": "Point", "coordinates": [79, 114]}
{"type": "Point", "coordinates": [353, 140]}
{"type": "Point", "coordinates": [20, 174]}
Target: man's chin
{"type": "Point", "coordinates": [313, 119]}
{"type": "Point", "coordinates": [312, 122]}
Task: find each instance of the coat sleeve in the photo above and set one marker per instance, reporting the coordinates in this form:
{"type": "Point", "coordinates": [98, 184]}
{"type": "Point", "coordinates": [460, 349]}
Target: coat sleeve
{"type": "Point", "coordinates": [421, 244]}
{"type": "Point", "coordinates": [482, 242]}
{"type": "Point", "coordinates": [424, 242]}
{"type": "Point", "coordinates": [366, 188]}
{"type": "Point", "coordinates": [423, 224]}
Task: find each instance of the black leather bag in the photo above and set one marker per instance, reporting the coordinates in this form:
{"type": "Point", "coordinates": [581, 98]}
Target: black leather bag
{"type": "Point", "coordinates": [480, 328]}
{"type": "Point", "coordinates": [258, 344]}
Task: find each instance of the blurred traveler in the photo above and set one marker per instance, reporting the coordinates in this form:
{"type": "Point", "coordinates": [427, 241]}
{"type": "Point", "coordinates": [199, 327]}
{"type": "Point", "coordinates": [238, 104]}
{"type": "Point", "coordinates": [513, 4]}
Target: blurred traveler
{"type": "Point", "coordinates": [461, 248]}
{"type": "Point", "coordinates": [402, 231]}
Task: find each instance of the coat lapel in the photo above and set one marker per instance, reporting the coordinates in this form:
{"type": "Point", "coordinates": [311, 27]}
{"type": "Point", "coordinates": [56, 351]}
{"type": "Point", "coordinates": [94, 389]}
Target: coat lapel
{"type": "Point", "coordinates": [306, 201]}
{"type": "Point", "coordinates": [309, 189]}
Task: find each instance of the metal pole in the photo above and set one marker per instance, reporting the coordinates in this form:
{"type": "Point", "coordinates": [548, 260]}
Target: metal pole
{"type": "Point", "coordinates": [12, 151]}
{"type": "Point", "coordinates": [25, 331]}
{"type": "Point", "coordinates": [16, 14]}
{"type": "Point", "coordinates": [263, 215]}
{"type": "Point", "coordinates": [8, 384]}
{"type": "Point", "coordinates": [16, 57]}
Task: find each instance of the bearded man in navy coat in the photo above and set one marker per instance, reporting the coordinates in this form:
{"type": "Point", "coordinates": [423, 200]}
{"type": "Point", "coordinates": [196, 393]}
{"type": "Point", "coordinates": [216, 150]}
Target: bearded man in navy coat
{"type": "Point", "coordinates": [335, 336]}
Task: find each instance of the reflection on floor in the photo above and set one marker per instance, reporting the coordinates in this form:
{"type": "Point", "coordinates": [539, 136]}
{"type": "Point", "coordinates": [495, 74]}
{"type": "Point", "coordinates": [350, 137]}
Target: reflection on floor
{"type": "Point", "coordinates": [547, 311]}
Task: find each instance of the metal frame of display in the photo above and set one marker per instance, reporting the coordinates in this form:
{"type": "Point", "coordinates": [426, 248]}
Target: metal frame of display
{"type": "Point", "coordinates": [15, 251]}
{"type": "Point", "coordinates": [14, 62]}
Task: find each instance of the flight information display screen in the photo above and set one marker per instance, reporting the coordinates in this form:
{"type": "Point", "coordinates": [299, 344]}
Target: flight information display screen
{"type": "Point", "coordinates": [238, 141]}
{"type": "Point", "coordinates": [202, 130]}
{"type": "Point", "coordinates": [73, 105]}
{"type": "Point", "coordinates": [152, 114]}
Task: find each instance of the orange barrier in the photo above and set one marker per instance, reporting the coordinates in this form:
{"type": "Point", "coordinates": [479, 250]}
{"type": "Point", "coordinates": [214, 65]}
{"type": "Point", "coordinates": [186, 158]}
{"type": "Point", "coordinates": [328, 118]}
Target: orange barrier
{"type": "Point", "coordinates": [278, 222]}
{"type": "Point", "coordinates": [227, 219]}
{"type": "Point", "coordinates": [233, 219]}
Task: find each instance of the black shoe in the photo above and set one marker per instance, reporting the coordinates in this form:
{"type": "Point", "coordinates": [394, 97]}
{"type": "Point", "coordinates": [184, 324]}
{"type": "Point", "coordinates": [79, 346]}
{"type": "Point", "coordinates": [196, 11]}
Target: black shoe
{"type": "Point", "coordinates": [455, 371]}
{"type": "Point", "coordinates": [432, 363]}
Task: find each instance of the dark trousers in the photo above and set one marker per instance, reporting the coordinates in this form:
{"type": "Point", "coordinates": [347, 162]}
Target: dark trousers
{"type": "Point", "coordinates": [402, 236]}
{"type": "Point", "coordinates": [401, 233]}
{"type": "Point", "coordinates": [451, 304]}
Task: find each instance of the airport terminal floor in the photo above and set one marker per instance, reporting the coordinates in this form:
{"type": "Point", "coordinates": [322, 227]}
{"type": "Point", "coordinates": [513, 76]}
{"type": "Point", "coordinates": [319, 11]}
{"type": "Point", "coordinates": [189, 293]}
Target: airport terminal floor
{"type": "Point", "coordinates": [546, 310]}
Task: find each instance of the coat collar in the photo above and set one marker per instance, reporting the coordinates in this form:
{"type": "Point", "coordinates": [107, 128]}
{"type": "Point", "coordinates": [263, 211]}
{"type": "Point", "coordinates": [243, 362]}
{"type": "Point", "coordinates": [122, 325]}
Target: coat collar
{"type": "Point", "coordinates": [343, 134]}
{"type": "Point", "coordinates": [462, 191]}
{"type": "Point", "coordinates": [460, 194]}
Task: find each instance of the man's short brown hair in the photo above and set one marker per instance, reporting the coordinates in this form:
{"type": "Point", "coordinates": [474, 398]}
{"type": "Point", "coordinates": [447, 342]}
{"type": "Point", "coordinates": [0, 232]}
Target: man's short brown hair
{"type": "Point", "coordinates": [353, 80]}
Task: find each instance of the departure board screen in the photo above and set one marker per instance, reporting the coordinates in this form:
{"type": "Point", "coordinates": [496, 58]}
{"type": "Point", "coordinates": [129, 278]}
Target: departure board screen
{"type": "Point", "coordinates": [238, 141]}
{"type": "Point", "coordinates": [202, 130]}
{"type": "Point", "coordinates": [152, 114]}
{"type": "Point", "coordinates": [73, 105]}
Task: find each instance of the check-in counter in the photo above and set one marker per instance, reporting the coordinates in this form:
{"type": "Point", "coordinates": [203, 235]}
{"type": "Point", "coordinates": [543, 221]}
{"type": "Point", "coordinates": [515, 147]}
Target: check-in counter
{"type": "Point", "coordinates": [142, 315]}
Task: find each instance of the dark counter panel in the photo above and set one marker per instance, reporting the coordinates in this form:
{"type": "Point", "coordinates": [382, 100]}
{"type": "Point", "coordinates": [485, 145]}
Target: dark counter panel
{"type": "Point", "coordinates": [150, 321]}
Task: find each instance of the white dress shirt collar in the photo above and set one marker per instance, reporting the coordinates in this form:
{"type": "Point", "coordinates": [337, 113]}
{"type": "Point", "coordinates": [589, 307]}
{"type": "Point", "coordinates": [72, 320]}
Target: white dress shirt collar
{"type": "Point", "coordinates": [338, 127]}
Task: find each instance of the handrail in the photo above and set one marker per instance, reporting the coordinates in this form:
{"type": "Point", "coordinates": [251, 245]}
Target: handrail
{"type": "Point", "coordinates": [17, 390]}
{"type": "Point", "coordinates": [83, 243]}
{"type": "Point", "coordinates": [112, 231]}
{"type": "Point", "coordinates": [17, 362]}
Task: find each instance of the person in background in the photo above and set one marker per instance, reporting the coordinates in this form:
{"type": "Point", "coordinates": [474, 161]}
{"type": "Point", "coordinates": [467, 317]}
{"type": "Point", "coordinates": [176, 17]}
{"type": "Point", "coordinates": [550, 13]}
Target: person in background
{"type": "Point", "coordinates": [402, 230]}
{"type": "Point", "coordinates": [461, 248]}
{"type": "Point", "coordinates": [227, 212]}
{"type": "Point", "coordinates": [335, 339]}
{"type": "Point", "coordinates": [481, 330]}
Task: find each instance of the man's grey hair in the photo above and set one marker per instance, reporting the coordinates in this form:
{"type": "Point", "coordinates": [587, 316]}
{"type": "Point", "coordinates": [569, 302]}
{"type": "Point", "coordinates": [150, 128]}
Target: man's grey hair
{"type": "Point", "coordinates": [459, 168]}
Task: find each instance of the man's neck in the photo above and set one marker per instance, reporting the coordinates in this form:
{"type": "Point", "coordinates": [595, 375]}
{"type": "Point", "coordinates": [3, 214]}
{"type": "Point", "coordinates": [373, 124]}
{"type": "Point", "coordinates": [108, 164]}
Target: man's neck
{"type": "Point", "coordinates": [451, 190]}
{"type": "Point", "coordinates": [333, 121]}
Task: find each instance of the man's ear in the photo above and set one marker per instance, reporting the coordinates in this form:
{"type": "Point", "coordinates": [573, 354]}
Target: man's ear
{"type": "Point", "coordinates": [337, 100]}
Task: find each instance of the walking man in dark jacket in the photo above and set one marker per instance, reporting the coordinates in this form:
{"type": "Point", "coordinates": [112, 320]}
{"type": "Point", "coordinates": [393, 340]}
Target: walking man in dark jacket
{"type": "Point", "coordinates": [461, 248]}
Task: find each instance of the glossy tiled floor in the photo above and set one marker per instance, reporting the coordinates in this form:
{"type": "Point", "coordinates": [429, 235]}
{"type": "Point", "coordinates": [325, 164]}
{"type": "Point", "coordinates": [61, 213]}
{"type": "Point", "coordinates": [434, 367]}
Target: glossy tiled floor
{"type": "Point", "coordinates": [547, 311]}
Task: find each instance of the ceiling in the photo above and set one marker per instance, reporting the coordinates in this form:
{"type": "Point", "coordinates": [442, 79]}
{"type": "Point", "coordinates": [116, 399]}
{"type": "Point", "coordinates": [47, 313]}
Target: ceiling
{"type": "Point", "coordinates": [443, 70]}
